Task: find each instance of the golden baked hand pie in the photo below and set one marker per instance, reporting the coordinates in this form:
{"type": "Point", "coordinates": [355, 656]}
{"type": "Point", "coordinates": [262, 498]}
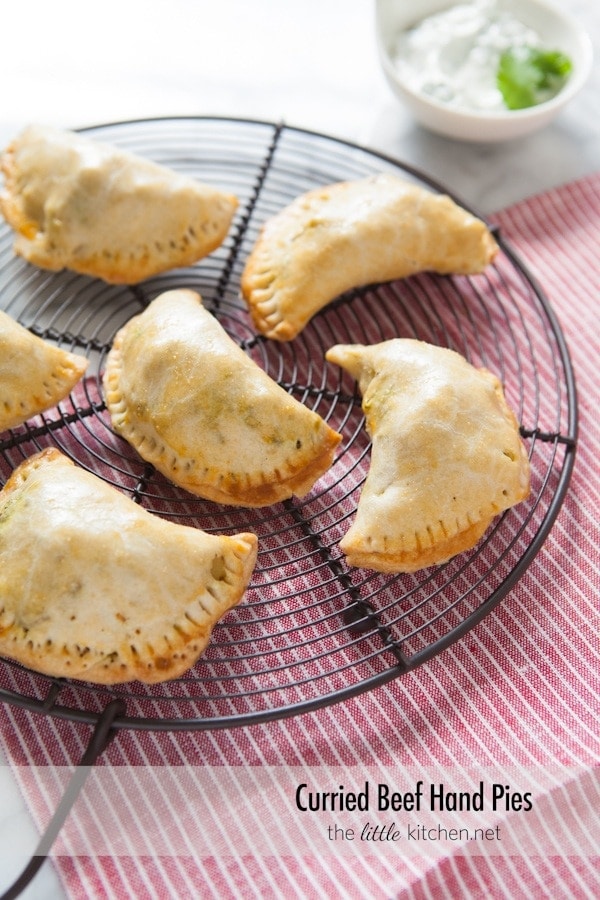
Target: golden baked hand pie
{"type": "Point", "coordinates": [351, 234]}
{"type": "Point", "coordinates": [79, 204]}
{"type": "Point", "coordinates": [198, 408]}
{"type": "Point", "coordinates": [94, 587]}
{"type": "Point", "coordinates": [34, 374]}
{"type": "Point", "coordinates": [446, 454]}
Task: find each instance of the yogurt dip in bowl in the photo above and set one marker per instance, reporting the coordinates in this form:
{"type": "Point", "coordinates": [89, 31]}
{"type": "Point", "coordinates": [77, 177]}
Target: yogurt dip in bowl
{"type": "Point", "coordinates": [442, 58]}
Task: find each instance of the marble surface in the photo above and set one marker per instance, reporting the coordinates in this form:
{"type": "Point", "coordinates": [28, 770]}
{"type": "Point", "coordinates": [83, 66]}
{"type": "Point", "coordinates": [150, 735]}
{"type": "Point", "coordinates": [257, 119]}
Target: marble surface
{"type": "Point", "coordinates": [312, 64]}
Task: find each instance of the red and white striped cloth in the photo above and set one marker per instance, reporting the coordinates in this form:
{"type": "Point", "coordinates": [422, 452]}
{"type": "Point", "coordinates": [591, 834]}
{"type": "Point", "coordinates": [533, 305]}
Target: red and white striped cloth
{"type": "Point", "coordinates": [520, 694]}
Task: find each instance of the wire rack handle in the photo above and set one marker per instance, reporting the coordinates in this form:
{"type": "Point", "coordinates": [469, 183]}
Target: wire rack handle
{"type": "Point", "coordinates": [101, 736]}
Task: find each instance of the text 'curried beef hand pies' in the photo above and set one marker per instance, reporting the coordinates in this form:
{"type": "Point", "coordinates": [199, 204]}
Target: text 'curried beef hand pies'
{"type": "Point", "coordinates": [79, 204]}
{"type": "Point", "coordinates": [446, 454]}
{"type": "Point", "coordinates": [94, 587]}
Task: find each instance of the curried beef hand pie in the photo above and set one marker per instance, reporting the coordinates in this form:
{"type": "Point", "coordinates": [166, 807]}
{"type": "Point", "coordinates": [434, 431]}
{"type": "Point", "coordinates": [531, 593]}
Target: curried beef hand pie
{"type": "Point", "coordinates": [94, 587]}
{"type": "Point", "coordinates": [34, 375]}
{"type": "Point", "coordinates": [79, 204]}
{"type": "Point", "coordinates": [446, 454]}
{"type": "Point", "coordinates": [197, 407]}
{"type": "Point", "coordinates": [351, 234]}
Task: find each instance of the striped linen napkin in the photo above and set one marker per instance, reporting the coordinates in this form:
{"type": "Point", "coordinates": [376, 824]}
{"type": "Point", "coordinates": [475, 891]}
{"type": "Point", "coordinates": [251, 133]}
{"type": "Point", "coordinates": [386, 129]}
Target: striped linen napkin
{"type": "Point", "coordinates": [516, 703]}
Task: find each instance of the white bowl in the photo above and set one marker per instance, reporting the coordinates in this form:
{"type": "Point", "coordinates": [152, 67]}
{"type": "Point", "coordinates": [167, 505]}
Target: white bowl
{"type": "Point", "coordinates": [557, 29]}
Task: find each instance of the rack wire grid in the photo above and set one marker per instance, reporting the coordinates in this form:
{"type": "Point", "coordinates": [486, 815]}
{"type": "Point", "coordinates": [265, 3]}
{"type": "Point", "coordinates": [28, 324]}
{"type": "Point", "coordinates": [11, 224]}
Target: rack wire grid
{"type": "Point", "coordinates": [311, 630]}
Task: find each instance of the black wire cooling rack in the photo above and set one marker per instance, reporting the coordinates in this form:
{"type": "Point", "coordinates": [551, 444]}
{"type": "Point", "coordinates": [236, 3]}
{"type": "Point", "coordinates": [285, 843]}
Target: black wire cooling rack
{"type": "Point", "coordinates": [311, 630]}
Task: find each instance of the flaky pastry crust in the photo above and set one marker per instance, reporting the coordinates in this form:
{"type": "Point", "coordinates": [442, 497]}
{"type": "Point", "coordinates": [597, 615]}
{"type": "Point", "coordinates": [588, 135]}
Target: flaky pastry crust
{"type": "Point", "coordinates": [350, 234]}
{"type": "Point", "coordinates": [80, 204]}
{"type": "Point", "coordinates": [96, 588]}
{"type": "Point", "coordinates": [446, 454]}
{"type": "Point", "coordinates": [197, 407]}
{"type": "Point", "coordinates": [34, 374]}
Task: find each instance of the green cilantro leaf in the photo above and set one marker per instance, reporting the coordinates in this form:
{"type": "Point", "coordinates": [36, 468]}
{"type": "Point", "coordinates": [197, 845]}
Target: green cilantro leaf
{"type": "Point", "coordinates": [527, 76]}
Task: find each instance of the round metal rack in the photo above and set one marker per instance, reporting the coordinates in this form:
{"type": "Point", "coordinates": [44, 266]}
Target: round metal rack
{"type": "Point", "coordinates": [311, 630]}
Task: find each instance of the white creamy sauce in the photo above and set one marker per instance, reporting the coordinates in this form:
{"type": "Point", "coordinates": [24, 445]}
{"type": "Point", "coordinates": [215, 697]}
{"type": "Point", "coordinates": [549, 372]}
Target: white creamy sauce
{"type": "Point", "coordinates": [453, 56]}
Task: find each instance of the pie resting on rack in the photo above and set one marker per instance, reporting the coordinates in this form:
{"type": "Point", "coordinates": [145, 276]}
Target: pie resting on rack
{"type": "Point", "coordinates": [446, 454]}
{"type": "Point", "coordinates": [79, 204]}
{"type": "Point", "coordinates": [94, 587]}
{"type": "Point", "coordinates": [350, 234]}
{"type": "Point", "coordinates": [195, 405]}
{"type": "Point", "coordinates": [34, 374]}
